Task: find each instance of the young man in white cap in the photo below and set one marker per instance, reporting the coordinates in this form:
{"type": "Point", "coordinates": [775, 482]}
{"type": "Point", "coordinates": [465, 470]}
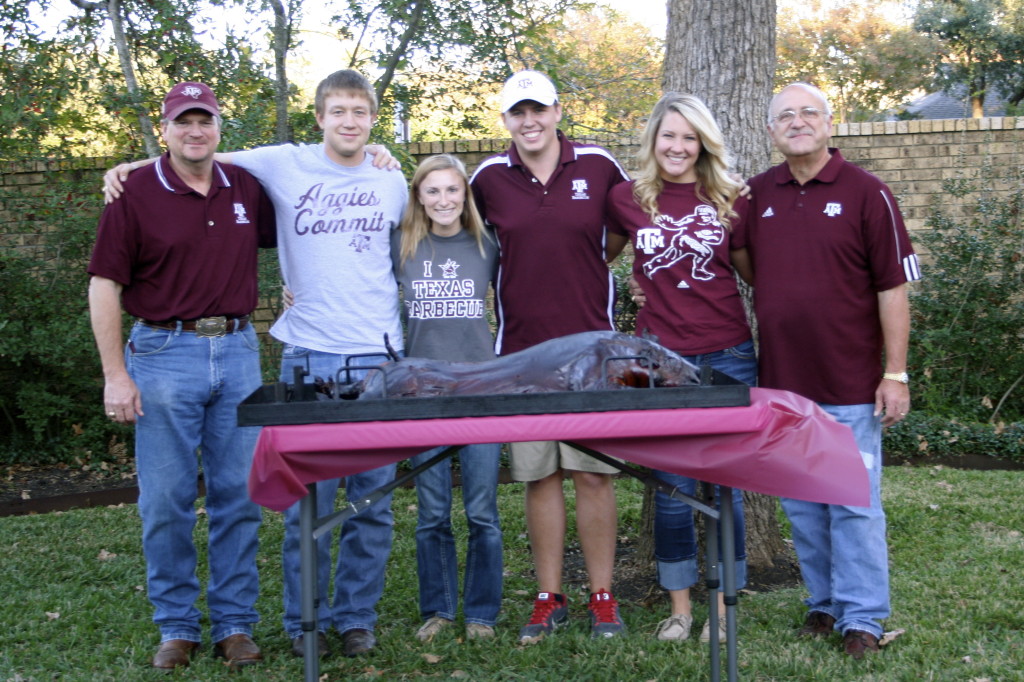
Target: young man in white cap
{"type": "Point", "coordinates": [545, 199]}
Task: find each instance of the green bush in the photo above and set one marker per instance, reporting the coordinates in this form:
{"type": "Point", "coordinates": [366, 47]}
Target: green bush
{"type": "Point", "coordinates": [967, 348]}
{"type": "Point", "coordinates": [923, 435]}
{"type": "Point", "coordinates": [51, 388]}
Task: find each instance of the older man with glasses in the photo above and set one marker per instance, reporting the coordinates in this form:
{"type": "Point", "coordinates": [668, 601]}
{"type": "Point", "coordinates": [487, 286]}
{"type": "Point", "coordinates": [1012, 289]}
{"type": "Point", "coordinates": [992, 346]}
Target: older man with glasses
{"type": "Point", "coordinates": [831, 260]}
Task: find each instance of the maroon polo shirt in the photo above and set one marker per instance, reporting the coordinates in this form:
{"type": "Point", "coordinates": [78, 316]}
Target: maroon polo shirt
{"type": "Point", "coordinates": [552, 279]}
{"type": "Point", "coordinates": [681, 261]}
{"type": "Point", "coordinates": [821, 253]}
{"type": "Point", "coordinates": [178, 254]}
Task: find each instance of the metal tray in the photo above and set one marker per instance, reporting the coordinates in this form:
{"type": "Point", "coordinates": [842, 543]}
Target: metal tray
{"type": "Point", "coordinates": [270, 404]}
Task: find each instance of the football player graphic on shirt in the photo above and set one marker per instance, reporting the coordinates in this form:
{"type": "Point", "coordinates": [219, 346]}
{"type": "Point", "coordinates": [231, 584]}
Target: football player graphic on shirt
{"type": "Point", "coordinates": [694, 235]}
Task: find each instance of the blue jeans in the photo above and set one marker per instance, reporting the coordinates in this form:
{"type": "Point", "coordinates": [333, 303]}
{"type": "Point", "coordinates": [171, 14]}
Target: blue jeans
{"type": "Point", "coordinates": [675, 543]}
{"type": "Point", "coordinates": [437, 565]}
{"type": "Point", "coordinates": [843, 554]}
{"type": "Point", "coordinates": [191, 387]}
{"type": "Point", "coordinates": [365, 537]}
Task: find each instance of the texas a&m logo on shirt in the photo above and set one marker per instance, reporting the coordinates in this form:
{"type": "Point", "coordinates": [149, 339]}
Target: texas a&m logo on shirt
{"type": "Point", "coordinates": [579, 189]}
{"type": "Point", "coordinates": [240, 217]}
{"type": "Point", "coordinates": [832, 209]}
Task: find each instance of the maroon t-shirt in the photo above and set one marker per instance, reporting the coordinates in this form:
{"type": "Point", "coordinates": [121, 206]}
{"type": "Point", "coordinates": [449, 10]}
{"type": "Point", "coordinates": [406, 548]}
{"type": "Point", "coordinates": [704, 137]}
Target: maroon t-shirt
{"type": "Point", "coordinates": [681, 261]}
{"type": "Point", "coordinates": [552, 278]}
{"type": "Point", "coordinates": [178, 254]}
{"type": "Point", "coordinates": [821, 253]}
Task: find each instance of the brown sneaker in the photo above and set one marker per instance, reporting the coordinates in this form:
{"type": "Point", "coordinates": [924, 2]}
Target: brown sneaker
{"type": "Point", "coordinates": [856, 643]}
{"type": "Point", "coordinates": [817, 624]}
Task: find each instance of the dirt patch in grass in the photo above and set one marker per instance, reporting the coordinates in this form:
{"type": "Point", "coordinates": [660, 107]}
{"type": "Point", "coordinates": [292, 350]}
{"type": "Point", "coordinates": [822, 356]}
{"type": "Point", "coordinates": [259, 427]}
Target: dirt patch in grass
{"type": "Point", "coordinates": [36, 490]}
{"type": "Point", "coordinates": [636, 579]}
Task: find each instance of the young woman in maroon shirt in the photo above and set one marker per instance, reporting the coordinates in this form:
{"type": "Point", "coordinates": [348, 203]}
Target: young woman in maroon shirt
{"type": "Point", "coordinates": [679, 213]}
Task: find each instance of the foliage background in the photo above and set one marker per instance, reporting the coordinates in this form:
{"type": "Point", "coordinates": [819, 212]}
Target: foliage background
{"type": "Point", "coordinates": [65, 97]}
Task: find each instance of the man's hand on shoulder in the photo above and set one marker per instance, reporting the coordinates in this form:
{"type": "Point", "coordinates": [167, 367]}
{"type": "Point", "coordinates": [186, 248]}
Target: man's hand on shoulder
{"type": "Point", "coordinates": [113, 180]}
{"type": "Point", "coordinates": [745, 189]}
{"type": "Point", "coordinates": [382, 157]}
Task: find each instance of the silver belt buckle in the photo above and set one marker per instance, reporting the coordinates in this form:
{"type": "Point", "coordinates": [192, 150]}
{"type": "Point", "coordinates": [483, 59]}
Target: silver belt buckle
{"type": "Point", "coordinates": [212, 326]}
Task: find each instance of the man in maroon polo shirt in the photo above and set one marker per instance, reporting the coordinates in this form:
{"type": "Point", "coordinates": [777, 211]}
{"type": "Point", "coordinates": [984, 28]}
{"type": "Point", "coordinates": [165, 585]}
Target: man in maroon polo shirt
{"type": "Point", "coordinates": [831, 260]}
{"type": "Point", "coordinates": [178, 251]}
{"type": "Point", "coordinates": [545, 199]}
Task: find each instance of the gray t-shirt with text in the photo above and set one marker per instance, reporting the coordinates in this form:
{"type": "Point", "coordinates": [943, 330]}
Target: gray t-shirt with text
{"type": "Point", "coordinates": [444, 297]}
{"type": "Point", "coordinates": [333, 234]}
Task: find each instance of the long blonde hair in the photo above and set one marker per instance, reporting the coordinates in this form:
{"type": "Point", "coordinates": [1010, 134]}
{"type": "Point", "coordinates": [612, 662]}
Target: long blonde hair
{"type": "Point", "coordinates": [415, 225]}
{"type": "Point", "coordinates": [714, 185]}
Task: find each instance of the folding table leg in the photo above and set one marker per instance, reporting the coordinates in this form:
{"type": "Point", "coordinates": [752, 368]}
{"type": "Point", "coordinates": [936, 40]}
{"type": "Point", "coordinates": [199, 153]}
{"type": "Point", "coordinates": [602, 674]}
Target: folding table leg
{"type": "Point", "coordinates": [310, 530]}
{"type": "Point", "coordinates": [728, 577]}
{"type": "Point", "coordinates": [712, 566]}
{"type": "Point", "coordinates": [308, 586]}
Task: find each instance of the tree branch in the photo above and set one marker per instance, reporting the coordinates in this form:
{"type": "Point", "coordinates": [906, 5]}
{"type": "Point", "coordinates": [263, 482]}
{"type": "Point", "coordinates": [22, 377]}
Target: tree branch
{"type": "Point", "coordinates": [384, 82]}
{"type": "Point", "coordinates": [89, 6]}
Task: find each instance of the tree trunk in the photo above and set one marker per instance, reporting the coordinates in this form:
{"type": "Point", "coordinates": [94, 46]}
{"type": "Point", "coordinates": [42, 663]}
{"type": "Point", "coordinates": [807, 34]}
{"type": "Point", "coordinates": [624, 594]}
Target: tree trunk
{"type": "Point", "coordinates": [282, 32]}
{"type": "Point", "coordinates": [764, 540]}
{"type": "Point", "coordinates": [724, 52]}
{"type": "Point", "coordinates": [124, 56]}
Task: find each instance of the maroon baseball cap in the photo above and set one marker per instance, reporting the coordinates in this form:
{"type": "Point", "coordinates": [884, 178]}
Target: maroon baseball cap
{"type": "Point", "coordinates": [185, 96]}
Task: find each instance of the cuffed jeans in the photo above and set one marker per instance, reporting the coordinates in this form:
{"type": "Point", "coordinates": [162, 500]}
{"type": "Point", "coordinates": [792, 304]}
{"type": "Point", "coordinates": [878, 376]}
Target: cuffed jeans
{"type": "Point", "coordinates": [675, 542]}
{"type": "Point", "coordinates": [365, 537]}
{"type": "Point", "coordinates": [191, 387]}
{"type": "Point", "coordinates": [437, 565]}
{"type": "Point", "coordinates": [842, 550]}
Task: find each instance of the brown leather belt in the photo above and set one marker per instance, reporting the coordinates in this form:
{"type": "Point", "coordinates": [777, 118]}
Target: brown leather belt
{"type": "Point", "coordinates": [203, 326]}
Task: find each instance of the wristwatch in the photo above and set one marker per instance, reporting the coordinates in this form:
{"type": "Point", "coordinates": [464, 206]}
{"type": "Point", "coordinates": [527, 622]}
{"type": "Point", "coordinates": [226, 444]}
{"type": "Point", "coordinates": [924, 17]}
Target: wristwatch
{"type": "Point", "coordinates": [901, 377]}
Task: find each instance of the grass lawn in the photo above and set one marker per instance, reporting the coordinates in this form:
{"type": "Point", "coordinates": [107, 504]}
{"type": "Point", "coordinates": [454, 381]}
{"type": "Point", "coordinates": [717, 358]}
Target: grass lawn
{"type": "Point", "coordinates": [73, 605]}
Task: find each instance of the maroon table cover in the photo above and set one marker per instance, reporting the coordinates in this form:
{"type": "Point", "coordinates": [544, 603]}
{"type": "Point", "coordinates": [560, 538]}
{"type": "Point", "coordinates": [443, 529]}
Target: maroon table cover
{"type": "Point", "coordinates": [782, 444]}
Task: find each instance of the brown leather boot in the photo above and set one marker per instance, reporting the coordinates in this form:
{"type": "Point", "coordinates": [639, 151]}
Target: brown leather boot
{"type": "Point", "coordinates": [175, 653]}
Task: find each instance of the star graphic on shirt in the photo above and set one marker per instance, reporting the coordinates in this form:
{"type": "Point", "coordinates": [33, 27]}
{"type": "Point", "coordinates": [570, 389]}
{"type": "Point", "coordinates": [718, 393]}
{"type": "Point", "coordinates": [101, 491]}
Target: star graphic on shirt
{"type": "Point", "coordinates": [448, 269]}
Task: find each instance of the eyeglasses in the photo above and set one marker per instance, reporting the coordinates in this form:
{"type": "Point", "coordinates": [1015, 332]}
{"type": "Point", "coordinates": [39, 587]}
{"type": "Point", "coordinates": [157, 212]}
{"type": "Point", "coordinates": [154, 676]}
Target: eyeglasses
{"type": "Point", "coordinates": [808, 114]}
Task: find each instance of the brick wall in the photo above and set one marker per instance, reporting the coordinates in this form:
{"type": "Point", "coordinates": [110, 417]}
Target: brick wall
{"type": "Point", "coordinates": [913, 157]}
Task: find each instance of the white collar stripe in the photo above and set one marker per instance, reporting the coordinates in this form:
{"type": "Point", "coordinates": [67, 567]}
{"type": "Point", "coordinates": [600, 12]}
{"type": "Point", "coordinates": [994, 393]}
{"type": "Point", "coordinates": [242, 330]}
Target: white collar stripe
{"type": "Point", "coordinates": [599, 151]}
{"type": "Point", "coordinates": [502, 159]}
{"type": "Point", "coordinates": [161, 176]}
{"type": "Point", "coordinates": [223, 175]}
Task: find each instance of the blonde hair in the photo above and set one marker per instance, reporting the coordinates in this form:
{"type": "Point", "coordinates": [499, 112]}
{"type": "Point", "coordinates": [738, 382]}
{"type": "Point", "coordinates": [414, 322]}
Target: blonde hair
{"type": "Point", "coordinates": [345, 81]}
{"type": "Point", "coordinates": [714, 185]}
{"type": "Point", "coordinates": [415, 225]}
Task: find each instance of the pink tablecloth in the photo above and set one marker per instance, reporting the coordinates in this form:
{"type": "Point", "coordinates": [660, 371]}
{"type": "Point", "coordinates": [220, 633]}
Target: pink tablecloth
{"type": "Point", "coordinates": [782, 444]}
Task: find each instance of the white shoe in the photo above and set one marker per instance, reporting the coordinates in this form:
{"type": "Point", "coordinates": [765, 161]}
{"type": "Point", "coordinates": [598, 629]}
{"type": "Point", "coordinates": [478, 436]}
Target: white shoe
{"type": "Point", "coordinates": [433, 626]}
{"type": "Point", "coordinates": [675, 628]}
{"type": "Point", "coordinates": [705, 634]}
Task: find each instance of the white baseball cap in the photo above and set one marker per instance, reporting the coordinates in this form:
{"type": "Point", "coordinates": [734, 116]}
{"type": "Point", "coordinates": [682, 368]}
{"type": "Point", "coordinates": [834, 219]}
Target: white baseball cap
{"type": "Point", "coordinates": [532, 85]}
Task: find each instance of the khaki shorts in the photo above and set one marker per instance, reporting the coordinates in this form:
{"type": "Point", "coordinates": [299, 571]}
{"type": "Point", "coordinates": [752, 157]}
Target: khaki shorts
{"type": "Point", "coordinates": [534, 460]}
